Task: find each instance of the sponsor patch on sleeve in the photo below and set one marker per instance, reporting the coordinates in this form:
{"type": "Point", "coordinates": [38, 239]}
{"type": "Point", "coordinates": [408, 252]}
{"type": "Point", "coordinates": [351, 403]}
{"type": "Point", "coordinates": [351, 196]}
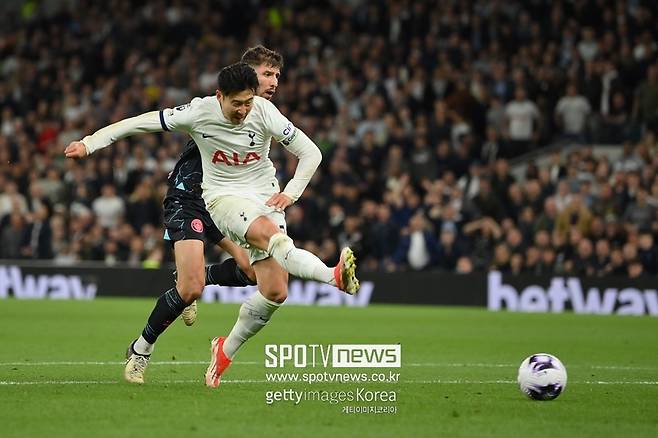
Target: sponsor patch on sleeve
{"type": "Point", "coordinates": [289, 134]}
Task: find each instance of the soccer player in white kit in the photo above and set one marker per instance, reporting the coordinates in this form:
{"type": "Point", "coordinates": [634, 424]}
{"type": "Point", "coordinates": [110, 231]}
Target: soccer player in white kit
{"type": "Point", "coordinates": [233, 130]}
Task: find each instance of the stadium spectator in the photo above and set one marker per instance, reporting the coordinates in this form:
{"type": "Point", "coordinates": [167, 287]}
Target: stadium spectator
{"type": "Point", "coordinates": [639, 212]}
{"type": "Point", "coordinates": [464, 265]}
{"type": "Point", "coordinates": [142, 207]}
{"type": "Point", "coordinates": [522, 130]}
{"type": "Point", "coordinates": [449, 248]}
{"type": "Point", "coordinates": [588, 47]}
{"type": "Point", "coordinates": [11, 200]}
{"type": "Point", "coordinates": [422, 163]}
{"type": "Point", "coordinates": [385, 234]}
{"type": "Point", "coordinates": [647, 253]}
{"type": "Point", "coordinates": [601, 256]}
{"type": "Point", "coordinates": [616, 125]}
{"type": "Point", "coordinates": [486, 203]}
{"type": "Point", "coordinates": [630, 161]}
{"type": "Point", "coordinates": [563, 197]}
{"type": "Point", "coordinates": [418, 248]}
{"type": "Point", "coordinates": [582, 262]}
{"type": "Point", "coordinates": [576, 216]}
{"type": "Point", "coordinates": [646, 100]}
{"type": "Point", "coordinates": [635, 269]}
{"type": "Point", "coordinates": [13, 235]}
{"type": "Point", "coordinates": [38, 243]}
{"type": "Point", "coordinates": [469, 184]}
{"type": "Point", "coordinates": [109, 208]}
{"type": "Point", "coordinates": [501, 259]}
{"type": "Point", "coordinates": [546, 265]}
{"type": "Point", "coordinates": [571, 114]}
{"type": "Point", "coordinates": [492, 147]}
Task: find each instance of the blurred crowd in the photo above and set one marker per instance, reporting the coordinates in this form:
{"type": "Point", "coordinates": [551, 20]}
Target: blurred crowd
{"type": "Point", "coordinates": [418, 106]}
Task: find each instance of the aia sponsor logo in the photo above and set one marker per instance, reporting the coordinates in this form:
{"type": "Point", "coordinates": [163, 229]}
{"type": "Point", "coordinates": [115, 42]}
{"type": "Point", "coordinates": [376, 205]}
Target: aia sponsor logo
{"type": "Point", "coordinates": [221, 157]}
{"type": "Point", "coordinates": [197, 225]}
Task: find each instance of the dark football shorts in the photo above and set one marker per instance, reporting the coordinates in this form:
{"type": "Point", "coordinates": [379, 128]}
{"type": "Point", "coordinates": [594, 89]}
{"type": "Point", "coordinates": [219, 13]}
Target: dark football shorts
{"type": "Point", "coordinates": [185, 217]}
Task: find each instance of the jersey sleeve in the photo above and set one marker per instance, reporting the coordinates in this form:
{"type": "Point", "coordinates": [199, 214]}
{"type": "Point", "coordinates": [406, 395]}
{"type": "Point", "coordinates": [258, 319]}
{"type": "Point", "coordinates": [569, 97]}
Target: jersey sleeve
{"type": "Point", "coordinates": [180, 118]}
{"type": "Point", "coordinates": [298, 143]}
{"type": "Point", "coordinates": [295, 141]}
{"type": "Point", "coordinates": [277, 125]}
{"type": "Point", "coordinates": [309, 159]}
{"type": "Point", "coordinates": [147, 122]}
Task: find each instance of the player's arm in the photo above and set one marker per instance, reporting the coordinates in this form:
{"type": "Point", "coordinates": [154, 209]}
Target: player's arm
{"type": "Point", "coordinates": [179, 119]}
{"type": "Point", "coordinates": [299, 145]}
{"type": "Point", "coordinates": [147, 122]}
{"type": "Point", "coordinates": [309, 159]}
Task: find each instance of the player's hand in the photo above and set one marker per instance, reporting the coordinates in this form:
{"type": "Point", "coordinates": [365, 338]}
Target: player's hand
{"type": "Point", "coordinates": [279, 201]}
{"type": "Point", "coordinates": [76, 149]}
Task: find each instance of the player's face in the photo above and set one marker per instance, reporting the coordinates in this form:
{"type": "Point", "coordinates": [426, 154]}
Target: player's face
{"type": "Point", "coordinates": [268, 80]}
{"type": "Point", "coordinates": [236, 106]}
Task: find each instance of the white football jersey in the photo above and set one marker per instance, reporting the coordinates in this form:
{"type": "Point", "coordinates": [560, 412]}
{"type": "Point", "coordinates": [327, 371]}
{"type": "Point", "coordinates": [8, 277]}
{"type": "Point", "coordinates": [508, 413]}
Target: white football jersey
{"type": "Point", "coordinates": [235, 158]}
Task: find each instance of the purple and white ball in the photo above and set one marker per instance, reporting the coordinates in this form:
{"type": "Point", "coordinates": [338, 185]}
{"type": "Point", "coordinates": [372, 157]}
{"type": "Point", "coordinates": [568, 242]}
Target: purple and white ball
{"type": "Point", "coordinates": [542, 377]}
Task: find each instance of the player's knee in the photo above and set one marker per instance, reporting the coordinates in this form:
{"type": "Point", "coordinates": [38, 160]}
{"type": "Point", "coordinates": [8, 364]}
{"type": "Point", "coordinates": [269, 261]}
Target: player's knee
{"type": "Point", "coordinates": [278, 296]}
{"type": "Point", "coordinates": [275, 289]}
{"type": "Point", "coordinates": [279, 242]}
{"type": "Point", "coordinates": [261, 231]}
{"type": "Point", "coordinates": [190, 288]}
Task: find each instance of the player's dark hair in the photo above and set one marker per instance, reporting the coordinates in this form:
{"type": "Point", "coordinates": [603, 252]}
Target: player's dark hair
{"type": "Point", "coordinates": [258, 55]}
{"type": "Point", "coordinates": [236, 78]}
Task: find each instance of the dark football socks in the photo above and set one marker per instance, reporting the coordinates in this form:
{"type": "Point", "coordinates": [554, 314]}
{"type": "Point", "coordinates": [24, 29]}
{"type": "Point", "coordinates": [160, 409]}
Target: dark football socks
{"type": "Point", "coordinates": [227, 273]}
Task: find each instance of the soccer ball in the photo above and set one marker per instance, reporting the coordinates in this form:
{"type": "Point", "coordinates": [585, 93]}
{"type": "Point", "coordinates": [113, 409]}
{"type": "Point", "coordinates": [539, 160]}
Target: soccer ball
{"type": "Point", "coordinates": [542, 377]}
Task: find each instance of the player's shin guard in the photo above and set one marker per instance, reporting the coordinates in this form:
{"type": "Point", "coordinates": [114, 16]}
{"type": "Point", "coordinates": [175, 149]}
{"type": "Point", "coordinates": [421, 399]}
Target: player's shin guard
{"type": "Point", "coordinates": [298, 262]}
{"type": "Point", "coordinates": [168, 307]}
{"type": "Point", "coordinates": [227, 273]}
{"type": "Point", "coordinates": [254, 314]}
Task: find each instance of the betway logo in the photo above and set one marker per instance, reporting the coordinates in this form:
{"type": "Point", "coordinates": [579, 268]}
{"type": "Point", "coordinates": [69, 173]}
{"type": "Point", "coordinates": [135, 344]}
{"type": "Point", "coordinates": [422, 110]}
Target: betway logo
{"type": "Point", "coordinates": [55, 287]}
{"type": "Point", "coordinates": [304, 293]}
{"type": "Point", "coordinates": [533, 298]}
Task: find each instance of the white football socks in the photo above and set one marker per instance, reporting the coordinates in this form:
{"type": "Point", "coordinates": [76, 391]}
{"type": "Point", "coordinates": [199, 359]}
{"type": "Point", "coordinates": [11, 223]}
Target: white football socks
{"type": "Point", "coordinates": [257, 310]}
{"type": "Point", "coordinates": [299, 262]}
{"type": "Point", "coordinates": [254, 314]}
{"type": "Point", "coordinates": [142, 347]}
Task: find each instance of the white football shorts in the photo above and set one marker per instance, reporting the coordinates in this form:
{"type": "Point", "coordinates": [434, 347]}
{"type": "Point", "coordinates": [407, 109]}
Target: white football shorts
{"type": "Point", "coordinates": [234, 214]}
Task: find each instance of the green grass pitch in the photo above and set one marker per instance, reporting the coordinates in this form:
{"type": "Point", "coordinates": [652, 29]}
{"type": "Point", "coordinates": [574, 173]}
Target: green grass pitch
{"type": "Point", "coordinates": [61, 373]}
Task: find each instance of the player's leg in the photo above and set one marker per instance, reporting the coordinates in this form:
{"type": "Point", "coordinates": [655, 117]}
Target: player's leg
{"type": "Point", "coordinates": [264, 234]}
{"type": "Point", "coordinates": [236, 271]}
{"type": "Point", "coordinates": [228, 273]}
{"type": "Point", "coordinates": [258, 309]}
{"type": "Point", "coordinates": [248, 222]}
{"type": "Point", "coordinates": [189, 285]}
{"type": "Point", "coordinates": [254, 314]}
{"type": "Point", "coordinates": [190, 268]}
{"type": "Point", "coordinates": [241, 258]}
